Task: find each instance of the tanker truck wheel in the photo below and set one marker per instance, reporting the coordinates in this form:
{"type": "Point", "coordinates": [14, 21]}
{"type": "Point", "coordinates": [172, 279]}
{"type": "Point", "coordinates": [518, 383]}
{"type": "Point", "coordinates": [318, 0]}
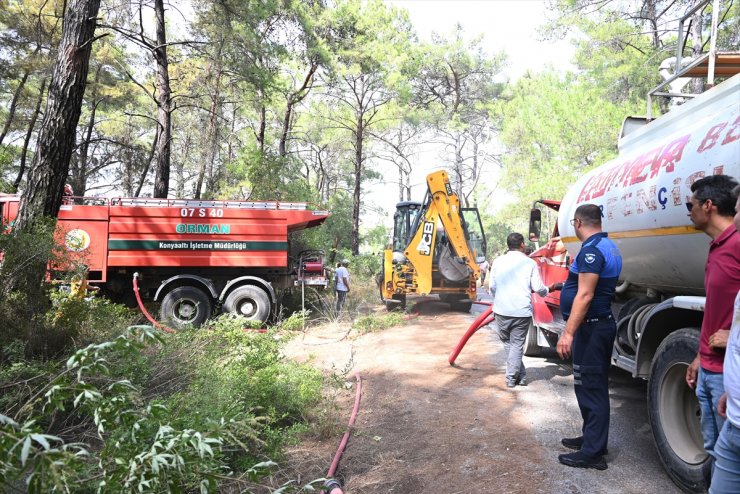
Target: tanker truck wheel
{"type": "Point", "coordinates": [249, 301]}
{"type": "Point", "coordinates": [531, 348]}
{"type": "Point", "coordinates": [185, 305]}
{"type": "Point", "coordinates": [673, 411]}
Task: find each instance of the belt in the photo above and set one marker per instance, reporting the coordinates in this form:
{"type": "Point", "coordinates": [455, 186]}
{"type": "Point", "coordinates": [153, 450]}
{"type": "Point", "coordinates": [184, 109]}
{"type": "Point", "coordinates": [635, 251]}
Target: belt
{"type": "Point", "coordinates": [597, 319]}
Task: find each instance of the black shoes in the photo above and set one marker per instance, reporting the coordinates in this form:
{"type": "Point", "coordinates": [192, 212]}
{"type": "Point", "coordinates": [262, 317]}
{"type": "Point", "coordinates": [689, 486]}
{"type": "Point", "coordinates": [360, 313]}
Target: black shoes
{"type": "Point", "coordinates": [579, 460]}
{"type": "Point", "coordinates": [572, 442]}
{"type": "Point", "coordinates": [517, 381]}
{"type": "Point", "coordinates": [576, 443]}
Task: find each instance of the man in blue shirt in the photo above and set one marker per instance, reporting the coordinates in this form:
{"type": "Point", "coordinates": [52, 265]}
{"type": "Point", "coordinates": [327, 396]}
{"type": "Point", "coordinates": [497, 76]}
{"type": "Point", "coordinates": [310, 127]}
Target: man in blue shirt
{"type": "Point", "coordinates": [589, 334]}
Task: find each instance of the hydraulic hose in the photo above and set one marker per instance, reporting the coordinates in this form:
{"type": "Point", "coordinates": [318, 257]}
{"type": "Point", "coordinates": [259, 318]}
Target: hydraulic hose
{"type": "Point", "coordinates": [332, 485]}
{"type": "Point", "coordinates": [485, 317]}
{"type": "Point", "coordinates": [143, 309]}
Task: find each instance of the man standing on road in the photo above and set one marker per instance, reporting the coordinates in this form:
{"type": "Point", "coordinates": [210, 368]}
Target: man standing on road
{"type": "Point", "coordinates": [513, 278]}
{"type": "Point", "coordinates": [589, 334]}
{"type": "Point", "coordinates": [342, 283]}
{"type": "Point", "coordinates": [726, 474]}
{"type": "Point", "coordinates": [711, 210]}
{"type": "Point", "coordinates": [483, 270]}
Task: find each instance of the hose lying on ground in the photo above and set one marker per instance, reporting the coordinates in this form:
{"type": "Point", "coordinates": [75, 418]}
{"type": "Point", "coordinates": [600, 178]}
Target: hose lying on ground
{"type": "Point", "coordinates": [332, 485]}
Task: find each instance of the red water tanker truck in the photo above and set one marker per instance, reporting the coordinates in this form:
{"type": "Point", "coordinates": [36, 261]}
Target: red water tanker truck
{"type": "Point", "coordinates": [195, 257]}
{"type": "Point", "coordinates": [660, 298]}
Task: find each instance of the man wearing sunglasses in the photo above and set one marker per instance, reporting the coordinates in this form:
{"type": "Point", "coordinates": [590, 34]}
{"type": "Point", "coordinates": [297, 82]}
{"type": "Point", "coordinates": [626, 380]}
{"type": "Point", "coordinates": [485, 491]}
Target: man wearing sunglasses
{"type": "Point", "coordinates": [711, 209]}
{"type": "Point", "coordinates": [589, 334]}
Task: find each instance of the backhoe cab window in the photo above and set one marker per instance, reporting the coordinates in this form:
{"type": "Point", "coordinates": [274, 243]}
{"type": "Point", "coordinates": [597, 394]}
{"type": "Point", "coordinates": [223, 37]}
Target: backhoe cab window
{"type": "Point", "coordinates": [474, 231]}
{"type": "Point", "coordinates": [403, 220]}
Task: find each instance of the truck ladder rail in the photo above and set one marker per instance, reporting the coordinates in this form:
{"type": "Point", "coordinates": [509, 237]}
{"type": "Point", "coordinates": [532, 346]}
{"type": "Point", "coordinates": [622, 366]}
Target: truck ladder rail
{"type": "Point", "coordinates": [706, 65]}
{"type": "Point", "coordinates": [194, 203]}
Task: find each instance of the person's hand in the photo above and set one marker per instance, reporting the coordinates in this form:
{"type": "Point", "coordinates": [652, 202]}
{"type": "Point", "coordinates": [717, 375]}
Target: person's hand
{"type": "Point", "coordinates": [565, 342]}
{"type": "Point", "coordinates": [692, 372]}
{"type": "Point", "coordinates": [722, 406]}
{"type": "Point", "coordinates": [719, 339]}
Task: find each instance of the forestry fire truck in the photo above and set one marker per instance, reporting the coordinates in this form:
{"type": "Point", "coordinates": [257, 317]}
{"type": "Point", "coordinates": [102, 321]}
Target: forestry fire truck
{"type": "Point", "coordinates": [660, 300]}
{"type": "Point", "coordinates": [436, 248]}
{"type": "Point", "coordinates": [195, 257]}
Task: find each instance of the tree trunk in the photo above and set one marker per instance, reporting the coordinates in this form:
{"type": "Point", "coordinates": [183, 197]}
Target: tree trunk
{"type": "Point", "coordinates": [180, 168]}
{"type": "Point", "coordinates": [50, 165]}
{"type": "Point", "coordinates": [164, 106]}
{"type": "Point", "coordinates": [262, 127]}
{"type": "Point", "coordinates": [355, 236]}
{"type": "Point", "coordinates": [29, 134]}
{"type": "Point", "coordinates": [211, 144]}
{"type": "Point", "coordinates": [78, 178]}
{"type": "Point", "coordinates": [697, 84]}
{"type": "Point", "coordinates": [45, 185]}
{"type": "Point", "coordinates": [294, 98]}
{"type": "Point", "coordinates": [145, 171]}
{"type": "Point", "coordinates": [13, 104]}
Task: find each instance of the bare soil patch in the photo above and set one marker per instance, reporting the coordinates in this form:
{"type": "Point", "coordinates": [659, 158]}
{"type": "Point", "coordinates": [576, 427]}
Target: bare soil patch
{"type": "Point", "coordinates": [423, 426]}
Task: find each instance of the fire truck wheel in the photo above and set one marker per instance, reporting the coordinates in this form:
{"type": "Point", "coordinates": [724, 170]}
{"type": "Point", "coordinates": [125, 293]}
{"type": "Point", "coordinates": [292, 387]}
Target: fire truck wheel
{"type": "Point", "coordinates": [186, 305]}
{"type": "Point", "coordinates": [673, 411]}
{"type": "Point", "coordinates": [248, 301]}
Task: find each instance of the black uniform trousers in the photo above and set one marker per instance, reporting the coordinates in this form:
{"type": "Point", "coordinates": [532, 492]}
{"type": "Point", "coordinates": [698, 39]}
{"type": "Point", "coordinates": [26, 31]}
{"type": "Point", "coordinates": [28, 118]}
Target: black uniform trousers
{"type": "Point", "coordinates": [592, 349]}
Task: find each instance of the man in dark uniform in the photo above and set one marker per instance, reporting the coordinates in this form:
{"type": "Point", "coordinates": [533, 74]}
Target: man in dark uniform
{"type": "Point", "coordinates": [589, 334]}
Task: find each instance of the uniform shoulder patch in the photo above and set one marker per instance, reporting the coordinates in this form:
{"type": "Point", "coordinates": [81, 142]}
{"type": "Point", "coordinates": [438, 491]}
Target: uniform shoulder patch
{"type": "Point", "coordinates": [589, 258]}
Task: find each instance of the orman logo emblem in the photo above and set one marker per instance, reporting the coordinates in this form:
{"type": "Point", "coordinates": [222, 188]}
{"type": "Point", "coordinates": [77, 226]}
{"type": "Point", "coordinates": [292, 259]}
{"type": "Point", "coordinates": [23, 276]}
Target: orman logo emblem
{"type": "Point", "coordinates": [77, 240]}
{"type": "Point", "coordinates": [589, 258]}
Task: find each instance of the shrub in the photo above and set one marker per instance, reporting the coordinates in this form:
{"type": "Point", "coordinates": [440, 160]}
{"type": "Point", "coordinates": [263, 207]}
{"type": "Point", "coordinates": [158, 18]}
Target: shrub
{"type": "Point", "coordinates": [234, 367]}
{"type": "Point", "coordinates": [144, 447]}
{"type": "Point", "coordinates": [374, 322]}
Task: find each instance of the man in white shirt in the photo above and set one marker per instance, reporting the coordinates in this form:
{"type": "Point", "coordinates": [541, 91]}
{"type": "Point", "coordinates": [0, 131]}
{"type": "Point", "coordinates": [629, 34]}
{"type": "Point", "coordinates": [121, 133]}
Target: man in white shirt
{"type": "Point", "coordinates": [512, 279]}
{"type": "Point", "coordinates": [483, 270]}
{"type": "Point", "coordinates": [726, 469]}
{"type": "Point", "coordinates": [342, 287]}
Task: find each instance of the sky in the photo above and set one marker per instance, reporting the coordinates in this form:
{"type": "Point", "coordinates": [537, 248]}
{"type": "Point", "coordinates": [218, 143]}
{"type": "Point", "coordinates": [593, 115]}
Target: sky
{"type": "Point", "coordinates": [506, 25]}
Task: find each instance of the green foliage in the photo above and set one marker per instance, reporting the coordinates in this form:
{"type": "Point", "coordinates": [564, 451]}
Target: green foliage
{"type": "Point", "coordinates": [374, 322]}
{"type": "Point", "coordinates": [260, 176]}
{"type": "Point", "coordinates": [237, 368]}
{"type": "Point", "coordinates": [147, 440]}
{"type": "Point", "coordinates": [296, 320]}
{"type": "Point", "coordinates": [555, 129]}
{"type": "Point", "coordinates": [48, 318]}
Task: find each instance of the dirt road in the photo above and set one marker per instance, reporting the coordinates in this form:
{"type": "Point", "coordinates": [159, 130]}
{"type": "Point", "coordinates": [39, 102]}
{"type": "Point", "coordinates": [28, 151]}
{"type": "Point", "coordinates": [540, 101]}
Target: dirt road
{"type": "Point", "coordinates": [427, 427]}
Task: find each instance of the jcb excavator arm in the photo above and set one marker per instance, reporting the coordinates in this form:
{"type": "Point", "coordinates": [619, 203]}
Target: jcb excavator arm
{"type": "Point", "coordinates": [443, 204]}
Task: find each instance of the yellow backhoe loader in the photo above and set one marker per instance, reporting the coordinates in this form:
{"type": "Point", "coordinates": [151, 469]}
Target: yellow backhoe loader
{"type": "Point", "coordinates": [436, 248]}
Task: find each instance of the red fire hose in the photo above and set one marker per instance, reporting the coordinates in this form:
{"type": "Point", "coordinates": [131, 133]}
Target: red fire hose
{"type": "Point", "coordinates": [485, 317]}
{"type": "Point", "coordinates": [143, 309]}
{"type": "Point", "coordinates": [332, 486]}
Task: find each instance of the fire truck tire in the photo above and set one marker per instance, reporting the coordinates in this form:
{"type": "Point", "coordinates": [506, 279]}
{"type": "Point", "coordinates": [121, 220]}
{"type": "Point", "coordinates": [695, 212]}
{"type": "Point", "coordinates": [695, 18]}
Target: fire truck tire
{"type": "Point", "coordinates": [248, 301]}
{"type": "Point", "coordinates": [531, 348]}
{"type": "Point", "coordinates": [185, 305]}
{"type": "Point", "coordinates": [673, 411]}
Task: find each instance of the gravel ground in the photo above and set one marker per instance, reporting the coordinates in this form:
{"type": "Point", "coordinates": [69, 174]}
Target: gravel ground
{"type": "Point", "coordinates": [425, 426]}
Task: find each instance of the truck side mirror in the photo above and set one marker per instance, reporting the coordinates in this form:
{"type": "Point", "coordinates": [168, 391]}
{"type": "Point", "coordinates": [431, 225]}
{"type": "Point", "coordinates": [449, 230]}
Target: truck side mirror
{"type": "Point", "coordinates": [535, 223]}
